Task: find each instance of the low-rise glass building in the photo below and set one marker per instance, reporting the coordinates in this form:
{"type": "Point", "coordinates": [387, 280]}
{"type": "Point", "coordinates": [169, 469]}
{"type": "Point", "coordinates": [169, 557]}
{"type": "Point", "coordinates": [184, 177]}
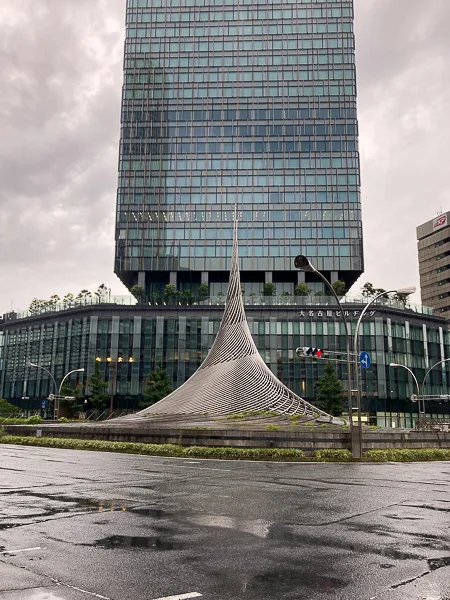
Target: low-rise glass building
{"type": "Point", "coordinates": [137, 339]}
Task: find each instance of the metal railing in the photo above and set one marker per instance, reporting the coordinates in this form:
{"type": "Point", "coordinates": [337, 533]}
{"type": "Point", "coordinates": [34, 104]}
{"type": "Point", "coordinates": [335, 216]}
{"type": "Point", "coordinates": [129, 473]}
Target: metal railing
{"type": "Point", "coordinates": [219, 300]}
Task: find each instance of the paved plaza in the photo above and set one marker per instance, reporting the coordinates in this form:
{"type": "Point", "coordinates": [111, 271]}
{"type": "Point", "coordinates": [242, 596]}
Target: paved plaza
{"type": "Point", "coordinates": [77, 525]}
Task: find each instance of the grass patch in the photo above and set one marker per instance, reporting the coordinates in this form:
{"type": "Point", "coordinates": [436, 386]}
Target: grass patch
{"type": "Point", "coordinates": [253, 413]}
{"type": "Point", "coordinates": [271, 428]}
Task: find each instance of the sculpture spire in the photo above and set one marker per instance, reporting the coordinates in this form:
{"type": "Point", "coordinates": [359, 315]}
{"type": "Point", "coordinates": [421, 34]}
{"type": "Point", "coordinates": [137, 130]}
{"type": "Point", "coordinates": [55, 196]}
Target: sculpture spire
{"type": "Point", "coordinates": [233, 377]}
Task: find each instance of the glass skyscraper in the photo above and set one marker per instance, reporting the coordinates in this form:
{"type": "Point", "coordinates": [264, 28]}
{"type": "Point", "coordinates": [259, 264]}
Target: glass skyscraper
{"type": "Point", "coordinates": [247, 103]}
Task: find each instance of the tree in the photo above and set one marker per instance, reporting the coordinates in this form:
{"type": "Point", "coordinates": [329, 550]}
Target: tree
{"type": "Point", "coordinates": [369, 291]}
{"type": "Point", "coordinates": [286, 294]}
{"type": "Point", "coordinates": [203, 291]}
{"type": "Point", "coordinates": [339, 287]}
{"type": "Point", "coordinates": [68, 300]}
{"type": "Point", "coordinates": [97, 386]}
{"type": "Point", "coordinates": [157, 386]}
{"type": "Point", "coordinates": [320, 293]}
{"type": "Point", "coordinates": [187, 297]}
{"type": "Point", "coordinates": [139, 293]}
{"type": "Point", "coordinates": [170, 292]}
{"type": "Point", "coordinates": [330, 392]}
{"type": "Point", "coordinates": [84, 295]}
{"type": "Point", "coordinates": [301, 289]}
{"type": "Point", "coordinates": [102, 292]}
{"type": "Point", "coordinates": [36, 306]}
{"type": "Point", "coordinates": [54, 300]}
{"type": "Point", "coordinates": [73, 402]}
{"type": "Point", "coordinates": [402, 298]}
{"type": "Point", "coordinates": [7, 409]}
{"type": "Point", "coordinates": [269, 289]}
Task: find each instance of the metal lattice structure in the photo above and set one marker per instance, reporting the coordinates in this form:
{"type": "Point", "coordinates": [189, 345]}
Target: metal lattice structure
{"type": "Point", "coordinates": [233, 377]}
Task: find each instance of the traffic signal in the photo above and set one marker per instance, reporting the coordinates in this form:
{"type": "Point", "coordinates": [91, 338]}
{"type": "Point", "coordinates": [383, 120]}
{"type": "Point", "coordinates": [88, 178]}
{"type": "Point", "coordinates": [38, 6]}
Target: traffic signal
{"type": "Point", "coordinates": [309, 352]}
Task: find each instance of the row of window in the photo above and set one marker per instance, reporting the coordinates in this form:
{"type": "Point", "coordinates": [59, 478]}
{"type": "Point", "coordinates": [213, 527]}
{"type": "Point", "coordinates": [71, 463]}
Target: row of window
{"type": "Point", "coordinates": [254, 28]}
{"type": "Point", "coordinates": [339, 182]}
{"type": "Point", "coordinates": [233, 46]}
{"type": "Point", "coordinates": [179, 250]}
{"type": "Point", "coordinates": [277, 11]}
{"type": "Point", "coordinates": [180, 163]}
{"type": "Point", "coordinates": [248, 147]}
{"type": "Point", "coordinates": [334, 132]}
{"type": "Point", "coordinates": [310, 57]}
{"type": "Point", "coordinates": [253, 91]}
{"type": "Point", "coordinates": [295, 110]}
{"type": "Point", "coordinates": [270, 233]}
{"type": "Point", "coordinates": [238, 75]}
{"type": "Point", "coordinates": [288, 216]}
{"type": "Point", "coordinates": [195, 3]}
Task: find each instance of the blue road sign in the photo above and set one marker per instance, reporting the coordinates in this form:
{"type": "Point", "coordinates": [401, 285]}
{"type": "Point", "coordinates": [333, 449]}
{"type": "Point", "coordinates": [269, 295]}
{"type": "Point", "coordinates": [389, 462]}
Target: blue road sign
{"type": "Point", "coordinates": [365, 360]}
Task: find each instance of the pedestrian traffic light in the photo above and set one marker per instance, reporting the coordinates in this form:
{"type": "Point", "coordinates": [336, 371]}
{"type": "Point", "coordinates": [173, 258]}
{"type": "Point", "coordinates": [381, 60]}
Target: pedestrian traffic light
{"type": "Point", "coordinates": [308, 352]}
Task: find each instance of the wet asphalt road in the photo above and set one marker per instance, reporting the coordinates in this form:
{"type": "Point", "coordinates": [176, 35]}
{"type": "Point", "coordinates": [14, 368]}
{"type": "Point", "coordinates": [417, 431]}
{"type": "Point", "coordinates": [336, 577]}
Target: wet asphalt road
{"type": "Point", "coordinates": [82, 525]}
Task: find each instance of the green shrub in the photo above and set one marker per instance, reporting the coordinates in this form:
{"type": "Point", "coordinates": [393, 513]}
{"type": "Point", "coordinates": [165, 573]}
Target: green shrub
{"type": "Point", "coordinates": [333, 455]}
{"type": "Point", "coordinates": [34, 420]}
{"type": "Point", "coordinates": [271, 428]}
{"type": "Point", "coordinates": [13, 421]}
{"type": "Point", "coordinates": [407, 454]}
{"type": "Point", "coordinates": [159, 449]}
{"type": "Point", "coordinates": [63, 420]}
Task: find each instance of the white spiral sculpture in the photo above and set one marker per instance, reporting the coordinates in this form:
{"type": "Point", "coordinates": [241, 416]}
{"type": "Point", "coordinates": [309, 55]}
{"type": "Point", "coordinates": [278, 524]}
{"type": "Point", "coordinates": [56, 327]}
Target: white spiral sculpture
{"type": "Point", "coordinates": [233, 377]}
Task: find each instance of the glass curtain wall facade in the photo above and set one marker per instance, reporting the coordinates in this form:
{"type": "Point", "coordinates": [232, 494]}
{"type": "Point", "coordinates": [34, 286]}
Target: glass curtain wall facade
{"type": "Point", "coordinates": [238, 102]}
{"type": "Point", "coordinates": [180, 338]}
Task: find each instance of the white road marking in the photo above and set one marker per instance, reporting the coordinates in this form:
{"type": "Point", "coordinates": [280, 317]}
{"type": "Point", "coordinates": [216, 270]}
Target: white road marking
{"type": "Point", "coordinates": [22, 550]}
{"type": "Point", "coordinates": [181, 596]}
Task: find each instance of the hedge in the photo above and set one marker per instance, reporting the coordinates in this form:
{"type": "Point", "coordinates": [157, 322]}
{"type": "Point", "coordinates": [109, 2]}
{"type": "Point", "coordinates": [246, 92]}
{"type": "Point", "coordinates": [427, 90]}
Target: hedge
{"type": "Point", "coordinates": [333, 455]}
{"type": "Point", "coordinates": [158, 449]}
{"type": "Point", "coordinates": [407, 455]}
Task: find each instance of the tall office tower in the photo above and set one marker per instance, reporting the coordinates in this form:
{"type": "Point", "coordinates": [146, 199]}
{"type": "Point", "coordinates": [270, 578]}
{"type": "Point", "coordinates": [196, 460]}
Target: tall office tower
{"type": "Point", "coordinates": [238, 102]}
{"type": "Point", "coordinates": [434, 263]}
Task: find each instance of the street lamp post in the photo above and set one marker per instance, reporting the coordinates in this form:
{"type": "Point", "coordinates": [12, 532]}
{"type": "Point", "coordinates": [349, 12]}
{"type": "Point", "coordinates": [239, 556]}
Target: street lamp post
{"type": "Point", "coordinates": [56, 389]}
{"type": "Point", "coordinates": [303, 264]}
{"type": "Point", "coordinates": [404, 292]}
{"type": "Point", "coordinates": [58, 398]}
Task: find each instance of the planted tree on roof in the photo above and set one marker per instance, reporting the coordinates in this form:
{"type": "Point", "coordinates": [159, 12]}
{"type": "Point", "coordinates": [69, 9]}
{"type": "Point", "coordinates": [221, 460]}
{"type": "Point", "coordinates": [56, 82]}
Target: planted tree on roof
{"type": "Point", "coordinates": [302, 289]}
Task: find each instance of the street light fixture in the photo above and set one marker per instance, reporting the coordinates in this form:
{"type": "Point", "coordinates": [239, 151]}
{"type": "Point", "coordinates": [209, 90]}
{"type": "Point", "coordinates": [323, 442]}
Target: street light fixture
{"type": "Point", "coordinates": [57, 390]}
{"type": "Point", "coordinates": [303, 263]}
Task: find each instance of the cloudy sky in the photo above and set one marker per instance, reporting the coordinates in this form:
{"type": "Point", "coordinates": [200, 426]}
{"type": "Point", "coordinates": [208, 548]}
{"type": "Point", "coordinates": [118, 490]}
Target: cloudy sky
{"type": "Point", "coordinates": [61, 77]}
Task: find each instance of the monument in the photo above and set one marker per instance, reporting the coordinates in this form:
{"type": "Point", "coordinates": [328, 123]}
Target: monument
{"type": "Point", "coordinates": [233, 377]}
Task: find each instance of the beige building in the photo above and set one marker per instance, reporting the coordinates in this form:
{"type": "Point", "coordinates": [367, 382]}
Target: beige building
{"type": "Point", "coordinates": [434, 263]}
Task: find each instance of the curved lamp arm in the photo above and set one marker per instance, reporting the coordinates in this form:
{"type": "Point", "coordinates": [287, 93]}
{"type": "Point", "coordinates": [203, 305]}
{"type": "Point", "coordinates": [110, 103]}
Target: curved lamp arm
{"type": "Point", "coordinates": [30, 364]}
{"type": "Point", "coordinates": [429, 371]}
{"type": "Point", "coordinates": [66, 376]}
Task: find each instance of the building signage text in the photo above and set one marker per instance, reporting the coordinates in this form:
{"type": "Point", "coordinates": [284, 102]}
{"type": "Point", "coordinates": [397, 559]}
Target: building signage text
{"type": "Point", "coordinates": [320, 314]}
